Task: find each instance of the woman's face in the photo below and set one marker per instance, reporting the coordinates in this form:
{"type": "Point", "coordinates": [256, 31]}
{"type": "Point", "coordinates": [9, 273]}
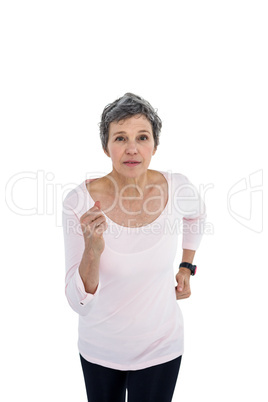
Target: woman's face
{"type": "Point", "coordinates": [131, 140]}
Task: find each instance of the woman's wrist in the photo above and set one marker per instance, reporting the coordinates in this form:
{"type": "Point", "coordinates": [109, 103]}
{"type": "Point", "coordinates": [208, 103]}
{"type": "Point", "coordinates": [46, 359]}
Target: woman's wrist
{"type": "Point", "coordinates": [185, 271]}
{"type": "Point", "coordinates": [188, 255]}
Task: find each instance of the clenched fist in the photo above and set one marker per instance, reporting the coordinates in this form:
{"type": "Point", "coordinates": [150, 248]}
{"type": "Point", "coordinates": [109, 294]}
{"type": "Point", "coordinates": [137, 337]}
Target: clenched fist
{"type": "Point", "coordinates": [93, 224]}
{"type": "Point", "coordinates": [183, 290]}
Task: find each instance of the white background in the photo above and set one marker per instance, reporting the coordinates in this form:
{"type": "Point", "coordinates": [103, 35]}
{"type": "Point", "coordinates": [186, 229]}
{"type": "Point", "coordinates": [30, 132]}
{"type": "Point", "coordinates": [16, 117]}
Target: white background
{"type": "Point", "coordinates": [203, 65]}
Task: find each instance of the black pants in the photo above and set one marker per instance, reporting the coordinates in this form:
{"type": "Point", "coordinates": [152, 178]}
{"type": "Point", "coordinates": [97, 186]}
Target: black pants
{"type": "Point", "coordinates": [152, 384]}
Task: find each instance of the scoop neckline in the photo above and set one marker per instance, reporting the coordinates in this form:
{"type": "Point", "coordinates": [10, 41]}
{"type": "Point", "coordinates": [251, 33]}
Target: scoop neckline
{"type": "Point", "coordinates": [133, 227]}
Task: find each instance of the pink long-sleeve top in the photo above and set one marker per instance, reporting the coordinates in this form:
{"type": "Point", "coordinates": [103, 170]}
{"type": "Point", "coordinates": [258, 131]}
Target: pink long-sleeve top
{"type": "Point", "coordinates": [133, 320]}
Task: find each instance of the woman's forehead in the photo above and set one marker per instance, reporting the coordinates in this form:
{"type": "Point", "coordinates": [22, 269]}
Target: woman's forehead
{"type": "Point", "coordinates": [132, 121]}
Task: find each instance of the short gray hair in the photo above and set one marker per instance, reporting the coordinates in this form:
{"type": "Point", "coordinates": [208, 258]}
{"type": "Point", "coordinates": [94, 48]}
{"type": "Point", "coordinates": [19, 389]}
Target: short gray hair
{"type": "Point", "coordinates": [125, 107]}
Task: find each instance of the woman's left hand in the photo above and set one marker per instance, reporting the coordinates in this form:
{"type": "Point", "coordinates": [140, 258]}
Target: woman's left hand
{"type": "Point", "coordinates": [183, 290]}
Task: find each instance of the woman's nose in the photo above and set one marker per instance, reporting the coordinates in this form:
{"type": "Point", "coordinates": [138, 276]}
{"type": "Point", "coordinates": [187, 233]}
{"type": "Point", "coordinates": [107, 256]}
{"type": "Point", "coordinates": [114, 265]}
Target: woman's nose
{"type": "Point", "coordinates": [131, 147]}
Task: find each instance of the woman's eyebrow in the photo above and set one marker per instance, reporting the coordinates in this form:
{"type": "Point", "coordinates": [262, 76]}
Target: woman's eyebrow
{"type": "Point", "coordinates": [124, 132]}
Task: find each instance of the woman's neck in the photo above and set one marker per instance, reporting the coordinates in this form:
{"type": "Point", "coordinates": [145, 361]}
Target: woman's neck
{"type": "Point", "coordinates": [135, 187]}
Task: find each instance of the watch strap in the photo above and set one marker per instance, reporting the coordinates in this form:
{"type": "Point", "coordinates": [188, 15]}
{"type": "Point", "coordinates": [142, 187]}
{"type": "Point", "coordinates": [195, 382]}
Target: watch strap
{"type": "Point", "coordinates": [190, 266]}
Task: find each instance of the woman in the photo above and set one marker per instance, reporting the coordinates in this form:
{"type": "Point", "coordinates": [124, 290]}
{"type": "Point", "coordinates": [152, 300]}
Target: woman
{"type": "Point", "coordinates": [121, 235]}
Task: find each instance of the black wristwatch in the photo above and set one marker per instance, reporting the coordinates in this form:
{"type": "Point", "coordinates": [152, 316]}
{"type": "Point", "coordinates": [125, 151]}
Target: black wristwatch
{"type": "Point", "coordinates": [191, 267]}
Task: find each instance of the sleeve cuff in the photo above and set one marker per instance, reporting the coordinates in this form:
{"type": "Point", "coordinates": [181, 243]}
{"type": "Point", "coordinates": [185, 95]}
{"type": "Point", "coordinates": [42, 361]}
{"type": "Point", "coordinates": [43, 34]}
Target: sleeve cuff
{"type": "Point", "coordinates": [85, 297]}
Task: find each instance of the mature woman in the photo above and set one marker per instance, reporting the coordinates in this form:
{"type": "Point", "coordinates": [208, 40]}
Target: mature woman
{"type": "Point", "coordinates": [121, 235]}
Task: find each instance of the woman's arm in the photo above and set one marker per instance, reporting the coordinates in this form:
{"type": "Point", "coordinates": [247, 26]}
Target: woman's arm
{"type": "Point", "coordinates": [80, 288]}
{"type": "Point", "coordinates": [187, 256]}
{"type": "Point", "coordinates": [89, 271]}
{"type": "Point", "coordinates": [193, 209]}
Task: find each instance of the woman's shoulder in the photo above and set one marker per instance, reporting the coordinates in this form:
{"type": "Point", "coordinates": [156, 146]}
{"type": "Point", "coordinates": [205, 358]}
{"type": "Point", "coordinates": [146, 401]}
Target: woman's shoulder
{"type": "Point", "coordinates": [98, 185]}
{"type": "Point", "coordinates": [74, 194]}
{"type": "Point", "coordinates": [76, 200]}
{"type": "Point", "coordinates": [157, 176]}
{"type": "Point", "coordinates": [175, 177]}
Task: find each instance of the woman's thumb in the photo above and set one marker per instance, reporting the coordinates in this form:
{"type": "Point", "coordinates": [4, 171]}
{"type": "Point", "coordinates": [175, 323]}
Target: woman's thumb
{"type": "Point", "coordinates": [180, 283]}
{"type": "Point", "coordinates": [97, 204]}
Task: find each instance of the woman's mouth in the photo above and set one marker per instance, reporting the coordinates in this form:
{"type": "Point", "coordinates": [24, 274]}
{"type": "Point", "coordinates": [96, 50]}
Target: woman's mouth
{"type": "Point", "coordinates": [131, 163]}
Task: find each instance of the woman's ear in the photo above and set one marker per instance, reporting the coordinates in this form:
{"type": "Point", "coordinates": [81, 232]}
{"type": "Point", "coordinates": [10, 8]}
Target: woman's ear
{"type": "Point", "coordinates": [154, 151]}
{"type": "Point", "coordinates": [106, 152]}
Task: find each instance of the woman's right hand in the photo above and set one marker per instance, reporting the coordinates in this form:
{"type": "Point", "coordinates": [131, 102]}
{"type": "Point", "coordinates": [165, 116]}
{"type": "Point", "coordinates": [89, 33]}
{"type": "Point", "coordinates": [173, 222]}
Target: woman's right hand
{"type": "Point", "coordinates": [93, 224]}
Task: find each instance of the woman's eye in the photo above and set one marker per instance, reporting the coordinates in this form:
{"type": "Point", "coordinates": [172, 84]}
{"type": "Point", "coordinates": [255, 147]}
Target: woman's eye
{"type": "Point", "coordinates": [118, 138]}
{"type": "Point", "coordinates": [144, 136]}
